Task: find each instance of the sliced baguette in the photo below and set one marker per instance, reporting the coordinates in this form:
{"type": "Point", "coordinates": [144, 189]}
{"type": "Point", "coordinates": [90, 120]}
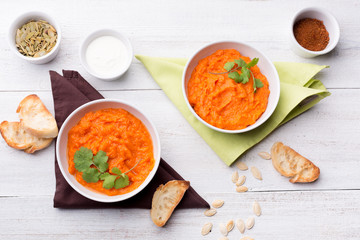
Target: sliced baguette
{"type": "Point", "coordinates": [15, 136]}
{"type": "Point", "coordinates": [36, 118]}
{"type": "Point", "coordinates": [289, 163]}
{"type": "Point", "coordinates": [165, 199]}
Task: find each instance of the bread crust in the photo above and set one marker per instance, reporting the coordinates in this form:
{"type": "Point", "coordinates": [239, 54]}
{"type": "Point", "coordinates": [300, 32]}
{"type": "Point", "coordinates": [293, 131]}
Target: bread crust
{"type": "Point", "coordinates": [289, 163]}
{"type": "Point", "coordinates": [35, 118]}
{"type": "Point", "coordinates": [16, 137]}
{"type": "Point", "coordinates": [10, 131]}
{"type": "Point", "coordinates": [165, 199]}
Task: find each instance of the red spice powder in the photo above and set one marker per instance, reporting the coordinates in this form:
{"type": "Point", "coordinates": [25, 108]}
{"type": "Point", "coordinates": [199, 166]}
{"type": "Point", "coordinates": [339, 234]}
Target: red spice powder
{"type": "Point", "coordinates": [311, 34]}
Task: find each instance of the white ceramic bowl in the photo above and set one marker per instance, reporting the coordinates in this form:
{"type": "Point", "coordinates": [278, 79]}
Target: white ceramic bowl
{"type": "Point", "coordinates": [330, 23]}
{"type": "Point", "coordinates": [266, 66]}
{"type": "Point", "coordinates": [24, 18]}
{"type": "Point", "coordinates": [100, 33]}
{"type": "Point", "coordinates": [74, 118]}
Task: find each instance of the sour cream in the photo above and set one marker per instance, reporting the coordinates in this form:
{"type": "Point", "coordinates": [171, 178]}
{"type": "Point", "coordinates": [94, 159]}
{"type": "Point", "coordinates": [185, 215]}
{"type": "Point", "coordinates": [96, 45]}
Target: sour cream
{"type": "Point", "coordinates": [106, 56]}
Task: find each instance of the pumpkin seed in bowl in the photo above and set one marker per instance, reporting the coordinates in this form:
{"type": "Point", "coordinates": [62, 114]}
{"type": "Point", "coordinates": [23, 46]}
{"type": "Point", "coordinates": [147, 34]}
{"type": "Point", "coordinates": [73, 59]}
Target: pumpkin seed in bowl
{"type": "Point", "coordinates": [36, 38]}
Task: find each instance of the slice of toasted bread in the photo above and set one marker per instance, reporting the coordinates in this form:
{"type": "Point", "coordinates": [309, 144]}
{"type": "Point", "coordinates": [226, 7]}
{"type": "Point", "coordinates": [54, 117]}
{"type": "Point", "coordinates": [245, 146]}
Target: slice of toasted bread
{"type": "Point", "coordinates": [289, 163]}
{"type": "Point", "coordinates": [16, 137]}
{"type": "Point", "coordinates": [36, 118]}
{"type": "Point", "coordinates": [165, 199]}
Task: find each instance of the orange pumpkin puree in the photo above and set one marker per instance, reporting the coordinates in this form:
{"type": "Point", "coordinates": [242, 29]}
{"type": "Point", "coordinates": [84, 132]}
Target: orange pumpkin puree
{"type": "Point", "coordinates": [125, 140]}
{"type": "Point", "coordinates": [222, 102]}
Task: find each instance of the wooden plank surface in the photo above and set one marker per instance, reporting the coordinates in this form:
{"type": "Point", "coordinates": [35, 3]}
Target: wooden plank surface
{"type": "Point", "coordinates": [328, 134]}
{"type": "Point", "coordinates": [177, 29]}
{"type": "Point", "coordinates": [183, 147]}
{"type": "Point", "coordinates": [286, 215]}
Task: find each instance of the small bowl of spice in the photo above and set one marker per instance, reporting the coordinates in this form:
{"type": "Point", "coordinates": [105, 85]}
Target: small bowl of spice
{"type": "Point", "coordinates": [35, 37]}
{"type": "Point", "coordinates": [314, 32]}
{"type": "Point", "coordinates": [106, 54]}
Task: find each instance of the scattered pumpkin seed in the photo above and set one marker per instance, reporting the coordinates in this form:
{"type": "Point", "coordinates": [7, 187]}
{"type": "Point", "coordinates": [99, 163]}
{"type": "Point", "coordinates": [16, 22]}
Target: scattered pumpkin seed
{"type": "Point", "coordinates": [257, 208]}
{"type": "Point", "coordinates": [265, 155]}
{"type": "Point", "coordinates": [247, 238]}
{"type": "Point", "coordinates": [210, 212]}
{"type": "Point", "coordinates": [230, 225]}
{"type": "Point", "coordinates": [240, 225]}
{"type": "Point", "coordinates": [218, 203]}
{"type": "Point", "coordinates": [206, 229]}
{"type": "Point", "coordinates": [223, 229]}
{"type": "Point", "coordinates": [241, 189]}
{"type": "Point", "coordinates": [241, 180]}
{"type": "Point", "coordinates": [250, 222]}
{"type": "Point", "coordinates": [242, 166]}
{"type": "Point", "coordinates": [256, 173]}
{"type": "Point", "coordinates": [235, 177]}
{"type": "Point", "coordinates": [35, 38]}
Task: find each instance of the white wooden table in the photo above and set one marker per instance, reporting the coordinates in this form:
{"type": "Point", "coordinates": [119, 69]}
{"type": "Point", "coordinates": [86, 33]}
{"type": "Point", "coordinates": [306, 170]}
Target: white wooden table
{"type": "Point", "coordinates": [328, 134]}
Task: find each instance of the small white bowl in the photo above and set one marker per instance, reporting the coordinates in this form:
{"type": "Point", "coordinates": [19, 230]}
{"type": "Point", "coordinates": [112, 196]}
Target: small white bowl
{"type": "Point", "coordinates": [24, 18]}
{"type": "Point", "coordinates": [331, 26]}
{"type": "Point", "coordinates": [266, 66]}
{"type": "Point", "coordinates": [100, 33]}
{"type": "Point", "coordinates": [74, 118]}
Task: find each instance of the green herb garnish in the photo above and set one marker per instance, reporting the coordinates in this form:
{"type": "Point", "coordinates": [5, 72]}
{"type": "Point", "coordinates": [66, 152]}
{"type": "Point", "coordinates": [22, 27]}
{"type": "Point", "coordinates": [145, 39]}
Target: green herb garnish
{"type": "Point", "coordinates": [94, 168]}
{"type": "Point", "coordinates": [244, 77]}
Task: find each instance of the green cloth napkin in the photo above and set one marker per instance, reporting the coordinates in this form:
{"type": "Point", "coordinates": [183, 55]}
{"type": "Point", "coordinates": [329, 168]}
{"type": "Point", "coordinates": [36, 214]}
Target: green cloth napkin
{"type": "Point", "coordinates": [298, 92]}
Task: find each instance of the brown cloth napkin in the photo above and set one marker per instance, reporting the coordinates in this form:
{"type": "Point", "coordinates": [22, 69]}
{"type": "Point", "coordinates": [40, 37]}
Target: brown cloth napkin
{"type": "Point", "coordinates": [71, 91]}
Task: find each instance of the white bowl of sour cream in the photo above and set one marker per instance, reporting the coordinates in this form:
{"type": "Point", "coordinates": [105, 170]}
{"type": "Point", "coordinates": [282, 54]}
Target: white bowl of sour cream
{"type": "Point", "coordinates": [106, 54]}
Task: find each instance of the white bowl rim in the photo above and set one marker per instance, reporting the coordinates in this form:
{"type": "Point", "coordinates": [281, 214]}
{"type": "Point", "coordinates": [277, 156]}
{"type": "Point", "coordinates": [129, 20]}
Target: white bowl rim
{"type": "Point", "coordinates": [116, 198]}
{"type": "Point", "coordinates": [32, 15]}
{"type": "Point", "coordinates": [248, 128]}
{"type": "Point", "coordinates": [106, 32]}
{"type": "Point", "coordinates": [325, 12]}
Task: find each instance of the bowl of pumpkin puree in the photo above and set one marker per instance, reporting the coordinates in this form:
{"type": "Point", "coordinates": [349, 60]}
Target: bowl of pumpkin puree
{"type": "Point", "coordinates": [230, 86]}
{"type": "Point", "coordinates": [108, 150]}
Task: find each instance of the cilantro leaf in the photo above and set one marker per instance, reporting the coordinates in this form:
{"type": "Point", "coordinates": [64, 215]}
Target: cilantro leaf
{"type": "Point", "coordinates": [245, 74]}
{"type": "Point", "coordinates": [258, 83]}
{"type": "Point", "coordinates": [109, 181]}
{"type": "Point", "coordinates": [116, 170]}
{"type": "Point", "coordinates": [240, 62]}
{"type": "Point", "coordinates": [235, 76]}
{"type": "Point", "coordinates": [253, 62]}
{"type": "Point", "coordinates": [254, 85]}
{"type": "Point", "coordinates": [83, 159]}
{"type": "Point", "coordinates": [229, 65]}
{"type": "Point", "coordinates": [91, 175]}
{"type": "Point", "coordinates": [122, 181]}
{"type": "Point", "coordinates": [100, 161]}
{"type": "Point", "coordinates": [104, 175]}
